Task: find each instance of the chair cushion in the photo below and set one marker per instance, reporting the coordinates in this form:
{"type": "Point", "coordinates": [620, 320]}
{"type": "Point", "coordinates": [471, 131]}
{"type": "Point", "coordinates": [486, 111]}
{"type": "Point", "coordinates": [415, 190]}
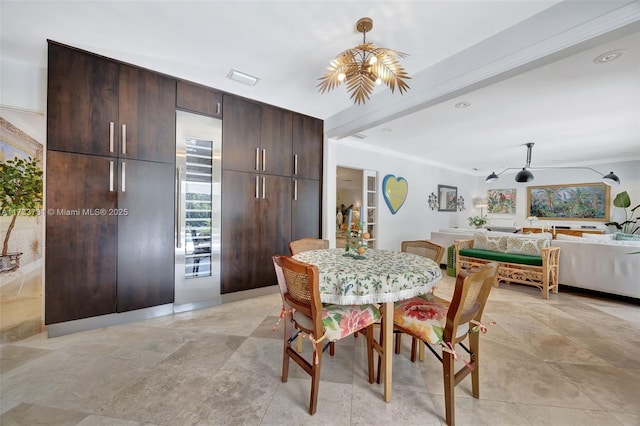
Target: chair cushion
{"type": "Point", "coordinates": [341, 320]}
{"type": "Point", "coordinates": [502, 257]}
{"type": "Point", "coordinates": [425, 319]}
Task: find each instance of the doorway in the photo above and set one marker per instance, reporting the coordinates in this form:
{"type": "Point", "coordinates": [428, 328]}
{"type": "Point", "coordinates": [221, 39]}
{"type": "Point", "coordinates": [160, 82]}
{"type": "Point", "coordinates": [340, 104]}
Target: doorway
{"type": "Point", "coordinates": [356, 201]}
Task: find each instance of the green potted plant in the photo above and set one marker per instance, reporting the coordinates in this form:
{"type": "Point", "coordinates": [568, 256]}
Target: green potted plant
{"type": "Point", "coordinates": [630, 224]}
{"type": "Point", "coordinates": [478, 221]}
{"type": "Point", "coordinates": [20, 195]}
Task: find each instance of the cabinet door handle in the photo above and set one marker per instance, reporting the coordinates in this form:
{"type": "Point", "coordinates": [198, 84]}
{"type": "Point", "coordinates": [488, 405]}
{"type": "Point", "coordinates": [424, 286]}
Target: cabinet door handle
{"type": "Point", "coordinates": [111, 131]}
{"type": "Point", "coordinates": [218, 108]}
{"type": "Point", "coordinates": [178, 209]}
{"type": "Point", "coordinates": [257, 158]}
{"type": "Point", "coordinates": [264, 191]}
{"type": "Point", "coordinates": [257, 186]}
{"type": "Point", "coordinates": [295, 164]}
{"type": "Point", "coordinates": [124, 138]}
{"type": "Point", "coordinates": [295, 189]}
{"type": "Point", "coordinates": [264, 159]}
{"type": "Point", "coordinates": [111, 164]}
{"type": "Point", "coordinates": [124, 175]}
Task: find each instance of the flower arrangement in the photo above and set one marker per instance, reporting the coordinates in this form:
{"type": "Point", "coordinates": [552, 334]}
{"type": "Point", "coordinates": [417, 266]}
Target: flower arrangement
{"type": "Point", "coordinates": [531, 219]}
{"type": "Point", "coordinates": [478, 221]}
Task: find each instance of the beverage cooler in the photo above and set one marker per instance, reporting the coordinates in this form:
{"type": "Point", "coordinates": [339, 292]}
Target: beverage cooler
{"type": "Point", "coordinates": [197, 210]}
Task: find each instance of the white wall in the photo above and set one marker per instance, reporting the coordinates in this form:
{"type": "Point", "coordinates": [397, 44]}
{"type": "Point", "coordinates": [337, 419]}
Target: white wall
{"type": "Point", "coordinates": [628, 172]}
{"type": "Point", "coordinates": [415, 220]}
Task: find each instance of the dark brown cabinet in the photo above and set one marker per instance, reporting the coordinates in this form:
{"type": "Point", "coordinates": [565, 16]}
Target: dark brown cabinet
{"type": "Point", "coordinates": [147, 115]}
{"type": "Point", "coordinates": [275, 141]}
{"type": "Point", "coordinates": [307, 146]}
{"type": "Point", "coordinates": [145, 234]}
{"type": "Point", "coordinates": [100, 107]}
{"type": "Point", "coordinates": [196, 98]}
{"type": "Point", "coordinates": [257, 138]}
{"type": "Point", "coordinates": [109, 239]}
{"type": "Point", "coordinates": [110, 187]}
{"type": "Point", "coordinates": [240, 135]}
{"type": "Point", "coordinates": [306, 206]}
{"type": "Point", "coordinates": [258, 146]}
{"type": "Point", "coordinates": [80, 259]}
{"type": "Point", "coordinates": [82, 102]}
{"type": "Point", "coordinates": [256, 212]}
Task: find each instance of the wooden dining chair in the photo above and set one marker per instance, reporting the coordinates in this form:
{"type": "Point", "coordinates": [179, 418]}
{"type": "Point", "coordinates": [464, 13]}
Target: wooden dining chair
{"type": "Point", "coordinates": [306, 317]}
{"type": "Point", "coordinates": [306, 244]}
{"type": "Point", "coordinates": [431, 251]}
{"type": "Point", "coordinates": [444, 323]}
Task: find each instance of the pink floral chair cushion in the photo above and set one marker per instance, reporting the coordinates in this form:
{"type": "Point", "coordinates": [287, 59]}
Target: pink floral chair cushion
{"type": "Point", "coordinates": [425, 317]}
{"type": "Point", "coordinates": [342, 320]}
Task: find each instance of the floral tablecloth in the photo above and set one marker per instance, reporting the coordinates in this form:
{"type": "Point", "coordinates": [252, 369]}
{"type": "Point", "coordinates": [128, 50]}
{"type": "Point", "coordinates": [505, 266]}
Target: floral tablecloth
{"type": "Point", "coordinates": [383, 276]}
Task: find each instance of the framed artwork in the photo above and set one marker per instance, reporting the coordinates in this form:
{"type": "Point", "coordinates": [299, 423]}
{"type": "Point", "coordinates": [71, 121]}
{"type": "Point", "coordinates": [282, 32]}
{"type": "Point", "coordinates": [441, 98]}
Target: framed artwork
{"type": "Point", "coordinates": [447, 198]}
{"type": "Point", "coordinates": [583, 201]}
{"type": "Point", "coordinates": [501, 201]}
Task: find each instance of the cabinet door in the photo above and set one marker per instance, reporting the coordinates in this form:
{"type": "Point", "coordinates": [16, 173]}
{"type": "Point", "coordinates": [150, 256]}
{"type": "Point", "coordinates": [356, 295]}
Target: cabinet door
{"type": "Point", "coordinates": [240, 229]}
{"type": "Point", "coordinates": [147, 122]}
{"type": "Point", "coordinates": [275, 225]}
{"type": "Point", "coordinates": [305, 209]}
{"type": "Point", "coordinates": [80, 260]}
{"type": "Point", "coordinates": [307, 146]}
{"type": "Point", "coordinates": [200, 99]}
{"type": "Point", "coordinates": [82, 102]}
{"type": "Point", "coordinates": [275, 141]}
{"type": "Point", "coordinates": [240, 135]}
{"type": "Point", "coordinates": [145, 234]}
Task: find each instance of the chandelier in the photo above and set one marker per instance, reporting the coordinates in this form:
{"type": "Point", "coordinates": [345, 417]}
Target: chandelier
{"type": "Point", "coordinates": [365, 66]}
{"type": "Point", "coordinates": [525, 174]}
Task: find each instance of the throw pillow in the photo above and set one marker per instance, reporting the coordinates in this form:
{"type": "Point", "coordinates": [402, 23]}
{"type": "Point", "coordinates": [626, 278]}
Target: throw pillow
{"type": "Point", "coordinates": [621, 236]}
{"type": "Point", "coordinates": [486, 242]}
{"type": "Point", "coordinates": [529, 246]}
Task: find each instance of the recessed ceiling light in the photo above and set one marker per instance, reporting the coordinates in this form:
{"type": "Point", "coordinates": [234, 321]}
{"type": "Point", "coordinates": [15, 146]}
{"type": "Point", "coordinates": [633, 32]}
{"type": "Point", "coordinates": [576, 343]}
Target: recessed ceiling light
{"type": "Point", "coordinates": [386, 130]}
{"type": "Point", "coordinates": [242, 77]}
{"type": "Point", "coordinates": [359, 136]}
{"type": "Point", "coordinates": [463, 104]}
{"type": "Point", "coordinates": [609, 56]}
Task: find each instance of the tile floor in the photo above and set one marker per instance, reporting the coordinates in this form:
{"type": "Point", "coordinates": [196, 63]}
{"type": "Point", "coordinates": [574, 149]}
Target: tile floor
{"type": "Point", "coordinates": [571, 360]}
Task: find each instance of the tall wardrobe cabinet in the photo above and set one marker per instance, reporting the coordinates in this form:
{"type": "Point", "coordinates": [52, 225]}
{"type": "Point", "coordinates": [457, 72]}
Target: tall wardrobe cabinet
{"type": "Point", "coordinates": [110, 179]}
{"type": "Point", "coordinates": [271, 189]}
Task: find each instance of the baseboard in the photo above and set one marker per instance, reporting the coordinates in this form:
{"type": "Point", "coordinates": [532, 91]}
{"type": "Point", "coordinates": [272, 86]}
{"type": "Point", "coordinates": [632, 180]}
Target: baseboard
{"type": "Point", "coordinates": [600, 294]}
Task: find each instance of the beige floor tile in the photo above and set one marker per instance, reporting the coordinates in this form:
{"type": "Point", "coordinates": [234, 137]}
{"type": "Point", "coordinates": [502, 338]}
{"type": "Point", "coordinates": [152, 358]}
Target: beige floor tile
{"type": "Point", "coordinates": [558, 416]}
{"type": "Point", "coordinates": [570, 360]}
{"type": "Point", "coordinates": [29, 414]}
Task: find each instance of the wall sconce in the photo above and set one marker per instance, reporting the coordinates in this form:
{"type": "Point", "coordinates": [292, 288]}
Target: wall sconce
{"type": "Point", "coordinates": [433, 201]}
{"type": "Point", "coordinates": [460, 203]}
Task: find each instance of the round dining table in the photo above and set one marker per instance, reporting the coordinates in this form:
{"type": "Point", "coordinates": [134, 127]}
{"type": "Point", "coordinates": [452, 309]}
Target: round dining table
{"type": "Point", "coordinates": [376, 276]}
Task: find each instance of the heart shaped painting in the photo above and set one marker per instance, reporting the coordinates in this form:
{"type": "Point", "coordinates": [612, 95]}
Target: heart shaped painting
{"type": "Point", "coordinates": [394, 191]}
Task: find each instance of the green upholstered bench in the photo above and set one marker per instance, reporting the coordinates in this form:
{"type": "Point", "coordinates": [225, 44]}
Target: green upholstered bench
{"type": "Point", "coordinates": [539, 271]}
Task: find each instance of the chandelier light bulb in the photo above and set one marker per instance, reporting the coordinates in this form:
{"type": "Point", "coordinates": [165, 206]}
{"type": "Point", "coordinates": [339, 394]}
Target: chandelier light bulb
{"type": "Point", "coordinates": [373, 60]}
{"type": "Point", "coordinates": [342, 76]}
{"type": "Point", "coordinates": [378, 81]}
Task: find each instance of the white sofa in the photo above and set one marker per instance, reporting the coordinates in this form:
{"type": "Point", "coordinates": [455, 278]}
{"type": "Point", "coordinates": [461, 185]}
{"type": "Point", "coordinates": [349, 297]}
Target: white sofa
{"type": "Point", "coordinates": [600, 264]}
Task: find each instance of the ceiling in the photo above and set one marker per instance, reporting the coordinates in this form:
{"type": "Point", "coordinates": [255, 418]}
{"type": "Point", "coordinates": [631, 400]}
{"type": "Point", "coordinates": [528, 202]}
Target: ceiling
{"type": "Point", "coordinates": [525, 67]}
